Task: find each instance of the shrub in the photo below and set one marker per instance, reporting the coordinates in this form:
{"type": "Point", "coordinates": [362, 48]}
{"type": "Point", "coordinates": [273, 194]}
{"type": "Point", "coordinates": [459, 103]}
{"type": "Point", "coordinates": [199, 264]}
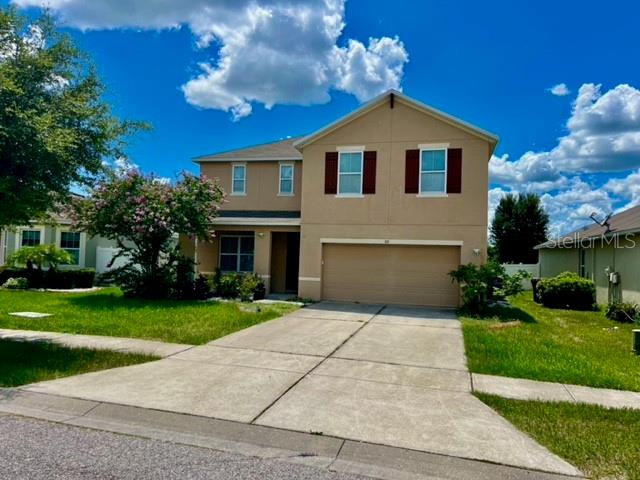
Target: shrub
{"type": "Point", "coordinates": [233, 285]}
{"type": "Point", "coordinates": [477, 283]}
{"type": "Point", "coordinates": [201, 287]}
{"type": "Point", "coordinates": [567, 290]}
{"type": "Point", "coordinates": [19, 283]}
{"type": "Point", "coordinates": [51, 278]}
{"type": "Point", "coordinates": [511, 284]}
{"type": "Point", "coordinates": [481, 284]}
{"type": "Point", "coordinates": [228, 285]}
{"type": "Point", "coordinates": [40, 255]}
{"type": "Point", "coordinates": [623, 312]}
{"type": "Point", "coordinates": [251, 288]}
{"type": "Point", "coordinates": [80, 278]}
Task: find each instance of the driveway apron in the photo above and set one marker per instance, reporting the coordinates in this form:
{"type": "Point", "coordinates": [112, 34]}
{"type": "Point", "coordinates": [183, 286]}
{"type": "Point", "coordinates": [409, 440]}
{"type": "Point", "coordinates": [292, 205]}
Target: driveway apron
{"type": "Point", "coordinates": [385, 375]}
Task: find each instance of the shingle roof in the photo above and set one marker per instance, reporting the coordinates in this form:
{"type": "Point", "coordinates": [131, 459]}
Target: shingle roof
{"type": "Point", "coordinates": [260, 213]}
{"type": "Point", "coordinates": [627, 221]}
{"type": "Point", "coordinates": [280, 150]}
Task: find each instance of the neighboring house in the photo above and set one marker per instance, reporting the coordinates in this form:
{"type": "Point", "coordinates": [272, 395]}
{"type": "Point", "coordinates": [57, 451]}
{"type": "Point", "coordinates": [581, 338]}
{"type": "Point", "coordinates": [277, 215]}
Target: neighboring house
{"type": "Point", "coordinates": [608, 256]}
{"type": "Point", "coordinates": [88, 252]}
{"type": "Point", "coordinates": [376, 207]}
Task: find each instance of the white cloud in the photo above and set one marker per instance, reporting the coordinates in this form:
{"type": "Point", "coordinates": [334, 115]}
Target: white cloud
{"type": "Point", "coordinates": [559, 90]}
{"type": "Point", "coordinates": [627, 188]}
{"type": "Point", "coordinates": [269, 51]}
{"type": "Point", "coordinates": [604, 136]}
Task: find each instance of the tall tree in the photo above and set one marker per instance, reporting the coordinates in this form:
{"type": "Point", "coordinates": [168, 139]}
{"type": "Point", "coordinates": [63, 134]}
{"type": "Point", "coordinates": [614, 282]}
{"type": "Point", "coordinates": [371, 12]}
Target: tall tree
{"type": "Point", "coordinates": [519, 224]}
{"type": "Point", "coordinates": [55, 130]}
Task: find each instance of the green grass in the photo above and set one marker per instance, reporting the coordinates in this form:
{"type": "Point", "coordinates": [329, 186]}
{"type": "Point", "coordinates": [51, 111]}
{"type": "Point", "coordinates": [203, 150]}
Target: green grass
{"type": "Point", "coordinates": [107, 312]}
{"type": "Point", "coordinates": [538, 343]}
{"type": "Point", "coordinates": [603, 443]}
{"type": "Point", "coordinates": [28, 362]}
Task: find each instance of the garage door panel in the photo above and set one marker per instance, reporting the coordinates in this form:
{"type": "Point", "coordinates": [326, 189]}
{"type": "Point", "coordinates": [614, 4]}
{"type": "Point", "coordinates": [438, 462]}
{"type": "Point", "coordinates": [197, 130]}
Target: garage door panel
{"type": "Point", "coordinates": [413, 275]}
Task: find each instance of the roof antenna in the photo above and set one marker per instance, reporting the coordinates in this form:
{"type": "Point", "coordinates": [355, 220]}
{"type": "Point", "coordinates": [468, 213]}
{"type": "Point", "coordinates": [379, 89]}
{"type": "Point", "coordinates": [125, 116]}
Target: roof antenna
{"type": "Point", "coordinates": [603, 223]}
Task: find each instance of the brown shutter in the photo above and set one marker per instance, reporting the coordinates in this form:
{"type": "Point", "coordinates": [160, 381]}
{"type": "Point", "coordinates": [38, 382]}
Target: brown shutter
{"type": "Point", "coordinates": [369, 173]}
{"type": "Point", "coordinates": [454, 170]}
{"type": "Point", "coordinates": [412, 171]}
{"type": "Point", "coordinates": [331, 173]}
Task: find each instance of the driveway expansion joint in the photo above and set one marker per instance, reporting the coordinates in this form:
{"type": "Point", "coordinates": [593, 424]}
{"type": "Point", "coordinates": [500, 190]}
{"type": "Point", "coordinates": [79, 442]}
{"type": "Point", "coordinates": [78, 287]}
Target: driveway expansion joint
{"type": "Point", "coordinates": [315, 367]}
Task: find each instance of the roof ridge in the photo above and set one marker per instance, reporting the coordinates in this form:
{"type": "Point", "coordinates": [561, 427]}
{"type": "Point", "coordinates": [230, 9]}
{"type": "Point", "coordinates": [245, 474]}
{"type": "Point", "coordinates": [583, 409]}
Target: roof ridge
{"type": "Point", "coordinates": [263, 144]}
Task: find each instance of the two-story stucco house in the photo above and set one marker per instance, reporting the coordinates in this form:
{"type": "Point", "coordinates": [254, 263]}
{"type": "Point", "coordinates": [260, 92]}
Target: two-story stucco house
{"type": "Point", "coordinates": [376, 207]}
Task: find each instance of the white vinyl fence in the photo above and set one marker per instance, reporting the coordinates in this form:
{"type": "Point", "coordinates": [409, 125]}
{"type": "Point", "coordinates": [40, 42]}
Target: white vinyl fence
{"type": "Point", "coordinates": [532, 268]}
{"type": "Point", "coordinates": [104, 255]}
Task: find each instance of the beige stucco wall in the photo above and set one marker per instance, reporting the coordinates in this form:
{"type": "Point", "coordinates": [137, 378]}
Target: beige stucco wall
{"type": "Point", "coordinates": [262, 185]}
{"type": "Point", "coordinates": [391, 213]}
{"type": "Point", "coordinates": [208, 252]}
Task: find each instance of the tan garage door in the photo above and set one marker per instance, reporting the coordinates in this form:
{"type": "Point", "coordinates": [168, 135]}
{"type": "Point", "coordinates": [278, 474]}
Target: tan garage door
{"type": "Point", "coordinates": [411, 275]}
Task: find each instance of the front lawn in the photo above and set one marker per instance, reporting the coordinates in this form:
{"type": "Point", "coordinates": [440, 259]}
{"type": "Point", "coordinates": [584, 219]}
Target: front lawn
{"type": "Point", "coordinates": [538, 343]}
{"type": "Point", "coordinates": [603, 443]}
{"type": "Point", "coordinates": [29, 362]}
{"type": "Point", "coordinates": [107, 312]}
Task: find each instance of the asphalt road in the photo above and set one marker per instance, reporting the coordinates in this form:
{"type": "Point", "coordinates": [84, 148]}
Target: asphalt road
{"type": "Point", "coordinates": [37, 449]}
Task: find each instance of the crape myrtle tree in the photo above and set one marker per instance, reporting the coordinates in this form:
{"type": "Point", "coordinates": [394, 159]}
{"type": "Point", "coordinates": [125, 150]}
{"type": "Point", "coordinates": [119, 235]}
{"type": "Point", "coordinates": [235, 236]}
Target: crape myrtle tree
{"type": "Point", "coordinates": [143, 214]}
{"type": "Point", "coordinates": [55, 128]}
{"type": "Point", "coordinates": [519, 224]}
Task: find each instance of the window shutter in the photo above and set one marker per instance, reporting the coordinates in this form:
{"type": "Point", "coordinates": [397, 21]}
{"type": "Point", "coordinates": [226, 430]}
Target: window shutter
{"type": "Point", "coordinates": [331, 173]}
{"type": "Point", "coordinates": [369, 173]}
{"type": "Point", "coordinates": [412, 171]}
{"type": "Point", "coordinates": [454, 170]}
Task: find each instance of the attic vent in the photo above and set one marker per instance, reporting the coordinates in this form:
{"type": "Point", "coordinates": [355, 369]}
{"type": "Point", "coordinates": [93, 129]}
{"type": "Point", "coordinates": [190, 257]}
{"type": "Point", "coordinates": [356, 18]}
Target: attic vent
{"type": "Point", "coordinates": [391, 98]}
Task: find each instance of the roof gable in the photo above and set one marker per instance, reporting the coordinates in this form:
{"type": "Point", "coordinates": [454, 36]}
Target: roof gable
{"type": "Point", "coordinates": [394, 95]}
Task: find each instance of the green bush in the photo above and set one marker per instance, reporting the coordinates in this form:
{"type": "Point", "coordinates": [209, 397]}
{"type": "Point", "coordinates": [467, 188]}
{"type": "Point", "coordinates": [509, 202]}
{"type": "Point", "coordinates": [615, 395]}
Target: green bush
{"type": "Point", "coordinates": [251, 288]}
{"type": "Point", "coordinates": [477, 283]}
{"type": "Point", "coordinates": [623, 312]}
{"type": "Point", "coordinates": [247, 286]}
{"type": "Point", "coordinates": [52, 278]}
{"type": "Point", "coordinates": [228, 285]}
{"type": "Point", "coordinates": [19, 283]}
{"type": "Point", "coordinates": [567, 290]}
{"type": "Point", "coordinates": [202, 287]}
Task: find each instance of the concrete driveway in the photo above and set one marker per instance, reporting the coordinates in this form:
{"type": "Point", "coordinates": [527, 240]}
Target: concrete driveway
{"type": "Point", "coordinates": [384, 375]}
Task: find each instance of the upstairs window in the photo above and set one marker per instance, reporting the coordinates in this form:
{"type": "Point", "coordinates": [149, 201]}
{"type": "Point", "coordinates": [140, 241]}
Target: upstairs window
{"type": "Point", "coordinates": [236, 253]}
{"type": "Point", "coordinates": [30, 238]}
{"type": "Point", "coordinates": [350, 173]}
{"type": "Point", "coordinates": [433, 172]}
{"type": "Point", "coordinates": [239, 180]}
{"type": "Point", "coordinates": [286, 179]}
{"type": "Point", "coordinates": [70, 242]}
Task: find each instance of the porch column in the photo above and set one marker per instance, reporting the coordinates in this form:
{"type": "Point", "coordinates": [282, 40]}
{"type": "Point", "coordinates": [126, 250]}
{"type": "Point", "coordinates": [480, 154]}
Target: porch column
{"type": "Point", "coordinates": [262, 256]}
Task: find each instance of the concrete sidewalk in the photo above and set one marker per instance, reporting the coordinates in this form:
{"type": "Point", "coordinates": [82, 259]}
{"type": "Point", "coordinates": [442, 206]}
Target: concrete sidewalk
{"type": "Point", "coordinates": [523, 389]}
{"type": "Point", "coordinates": [97, 342]}
{"type": "Point", "coordinates": [390, 376]}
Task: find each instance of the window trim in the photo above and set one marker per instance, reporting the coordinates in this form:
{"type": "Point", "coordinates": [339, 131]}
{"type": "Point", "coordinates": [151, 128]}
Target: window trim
{"type": "Point", "coordinates": [434, 148]}
{"type": "Point", "coordinates": [237, 254]}
{"type": "Point", "coordinates": [83, 245]}
{"type": "Point", "coordinates": [293, 176]}
{"type": "Point", "coordinates": [350, 150]}
{"type": "Point", "coordinates": [19, 230]}
{"type": "Point", "coordinates": [244, 179]}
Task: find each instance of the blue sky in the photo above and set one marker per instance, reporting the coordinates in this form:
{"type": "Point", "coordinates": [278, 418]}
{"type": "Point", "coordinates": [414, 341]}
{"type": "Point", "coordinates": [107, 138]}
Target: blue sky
{"type": "Point", "coordinates": [490, 63]}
